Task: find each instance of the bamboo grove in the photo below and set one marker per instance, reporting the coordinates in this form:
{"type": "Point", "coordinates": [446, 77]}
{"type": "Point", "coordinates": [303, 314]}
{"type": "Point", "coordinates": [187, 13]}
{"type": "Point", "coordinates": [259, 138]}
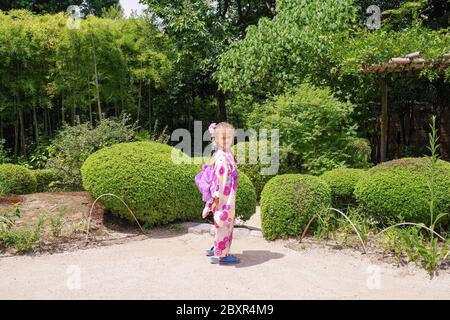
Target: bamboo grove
{"type": "Point", "coordinates": [51, 73]}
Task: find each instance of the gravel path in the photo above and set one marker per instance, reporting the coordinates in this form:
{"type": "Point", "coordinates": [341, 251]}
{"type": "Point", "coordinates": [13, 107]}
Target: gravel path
{"type": "Point", "coordinates": [175, 267]}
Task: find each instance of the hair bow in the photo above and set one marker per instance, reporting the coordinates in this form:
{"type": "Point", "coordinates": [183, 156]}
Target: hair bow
{"type": "Point", "coordinates": [212, 128]}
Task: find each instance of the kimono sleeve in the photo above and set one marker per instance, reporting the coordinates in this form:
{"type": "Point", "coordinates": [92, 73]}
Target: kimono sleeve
{"type": "Point", "coordinates": [220, 176]}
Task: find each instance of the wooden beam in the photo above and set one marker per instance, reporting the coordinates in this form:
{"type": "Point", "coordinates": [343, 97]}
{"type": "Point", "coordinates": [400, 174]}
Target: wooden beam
{"type": "Point", "coordinates": [399, 60]}
{"type": "Point", "coordinates": [384, 120]}
{"type": "Point", "coordinates": [413, 54]}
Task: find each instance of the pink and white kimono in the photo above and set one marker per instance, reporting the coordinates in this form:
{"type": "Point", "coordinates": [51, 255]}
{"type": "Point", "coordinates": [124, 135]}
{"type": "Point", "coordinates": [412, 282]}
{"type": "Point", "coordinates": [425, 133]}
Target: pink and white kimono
{"type": "Point", "coordinates": [224, 186]}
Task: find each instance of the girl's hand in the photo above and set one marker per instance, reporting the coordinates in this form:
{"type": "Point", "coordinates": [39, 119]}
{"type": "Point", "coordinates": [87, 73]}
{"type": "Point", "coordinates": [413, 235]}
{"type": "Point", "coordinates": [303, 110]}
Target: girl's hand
{"type": "Point", "coordinates": [215, 204]}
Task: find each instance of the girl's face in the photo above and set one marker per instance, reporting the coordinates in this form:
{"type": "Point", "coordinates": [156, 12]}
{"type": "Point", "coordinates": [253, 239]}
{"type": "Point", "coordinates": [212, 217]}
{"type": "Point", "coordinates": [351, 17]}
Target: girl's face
{"type": "Point", "coordinates": [225, 138]}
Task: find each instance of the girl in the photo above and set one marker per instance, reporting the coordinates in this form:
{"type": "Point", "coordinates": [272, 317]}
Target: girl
{"type": "Point", "coordinates": [223, 190]}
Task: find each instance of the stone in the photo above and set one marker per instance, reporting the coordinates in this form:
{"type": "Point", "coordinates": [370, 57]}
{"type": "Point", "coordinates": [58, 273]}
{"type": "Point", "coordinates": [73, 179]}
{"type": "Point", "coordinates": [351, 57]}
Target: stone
{"type": "Point", "coordinates": [198, 228]}
{"type": "Point", "coordinates": [256, 233]}
{"type": "Point", "coordinates": [239, 233]}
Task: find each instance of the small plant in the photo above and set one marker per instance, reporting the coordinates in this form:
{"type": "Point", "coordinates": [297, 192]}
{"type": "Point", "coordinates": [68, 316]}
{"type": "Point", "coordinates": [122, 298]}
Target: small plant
{"type": "Point", "coordinates": [57, 222]}
{"type": "Point", "coordinates": [427, 250]}
{"type": "Point", "coordinates": [359, 220]}
{"type": "Point", "coordinates": [23, 239]}
{"type": "Point", "coordinates": [431, 254]}
{"type": "Point", "coordinates": [79, 227]}
{"type": "Point", "coordinates": [176, 227]}
{"type": "Point", "coordinates": [8, 219]}
{"type": "Point", "coordinates": [327, 225]}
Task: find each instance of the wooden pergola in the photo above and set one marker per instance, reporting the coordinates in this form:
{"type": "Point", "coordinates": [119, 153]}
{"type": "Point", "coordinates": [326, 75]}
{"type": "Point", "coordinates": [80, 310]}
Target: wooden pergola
{"type": "Point", "coordinates": [408, 64]}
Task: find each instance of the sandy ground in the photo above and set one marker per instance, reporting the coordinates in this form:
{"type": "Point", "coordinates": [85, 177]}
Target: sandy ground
{"type": "Point", "coordinates": [172, 265]}
{"type": "Point", "coordinates": [176, 268]}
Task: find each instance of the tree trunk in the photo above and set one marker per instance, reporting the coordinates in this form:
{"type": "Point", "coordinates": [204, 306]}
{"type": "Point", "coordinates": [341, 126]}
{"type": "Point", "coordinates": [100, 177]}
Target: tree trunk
{"type": "Point", "coordinates": [139, 100]}
{"type": "Point", "coordinates": [36, 126]}
{"type": "Point", "coordinates": [91, 120]}
{"type": "Point", "coordinates": [1, 128]}
{"type": "Point", "coordinates": [22, 133]}
{"type": "Point", "coordinates": [62, 110]}
{"type": "Point", "coordinates": [121, 97]}
{"type": "Point", "coordinates": [150, 107]}
{"type": "Point", "coordinates": [50, 121]}
{"type": "Point", "coordinates": [16, 132]}
{"type": "Point", "coordinates": [221, 104]}
{"type": "Point", "coordinates": [74, 110]}
{"type": "Point", "coordinates": [384, 120]}
{"type": "Point", "coordinates": [97, 89]}
{"type": "Point", "coordinates": [44, 114]}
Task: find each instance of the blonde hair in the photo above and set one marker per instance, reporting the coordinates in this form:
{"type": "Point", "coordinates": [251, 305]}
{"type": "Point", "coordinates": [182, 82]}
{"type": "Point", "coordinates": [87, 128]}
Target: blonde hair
{"type": "Point", "coordinates": [221, 129]}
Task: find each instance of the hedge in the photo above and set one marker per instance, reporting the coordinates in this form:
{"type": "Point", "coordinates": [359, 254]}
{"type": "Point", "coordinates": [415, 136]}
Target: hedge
{"type": "Point", "coordinates": [289, 201]}
{"type": "Point", "coordinates": [397, 190]}
{"type": "Point", "coordinates": [44, 179]}
{"type": "Point", "coordinates": [156, 189]}
{"type": "Point", "coordinates": [342, 183]}
{"type": "Point", "coordinates": [15, 179]}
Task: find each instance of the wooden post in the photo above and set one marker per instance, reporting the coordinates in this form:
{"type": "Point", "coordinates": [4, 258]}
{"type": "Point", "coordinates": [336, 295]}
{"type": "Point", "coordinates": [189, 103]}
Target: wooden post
{"type": "Point", "coordinates": [384, 120]}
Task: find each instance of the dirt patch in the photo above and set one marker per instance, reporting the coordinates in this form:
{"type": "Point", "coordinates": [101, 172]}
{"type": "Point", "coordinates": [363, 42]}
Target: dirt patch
{"type": "Point", "coordinates": [65, 217]}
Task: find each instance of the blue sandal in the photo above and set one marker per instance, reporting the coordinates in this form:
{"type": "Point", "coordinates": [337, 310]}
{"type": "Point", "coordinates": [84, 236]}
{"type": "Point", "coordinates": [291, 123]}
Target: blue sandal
{"type": "Point", "coordinates": [210, 252]}
{"type": "Point", "coordinates": [229, 259]}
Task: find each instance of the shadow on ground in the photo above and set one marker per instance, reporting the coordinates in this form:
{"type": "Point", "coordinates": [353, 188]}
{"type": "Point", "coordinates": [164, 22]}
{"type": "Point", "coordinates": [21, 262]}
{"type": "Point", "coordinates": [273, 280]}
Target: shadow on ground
{"type": "Point", "coordinates": [254, 257]}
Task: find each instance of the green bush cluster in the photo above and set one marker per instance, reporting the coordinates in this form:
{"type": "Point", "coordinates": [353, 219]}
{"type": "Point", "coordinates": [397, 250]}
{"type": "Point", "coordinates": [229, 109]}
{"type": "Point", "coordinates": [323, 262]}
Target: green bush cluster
{"type": "Point", "coordinates": [74, 144]}
{"type": "Point", "coordinates": [44, 179]}
{"type": "Point", "coordinates": [342, 182]}
{"type": "Point", "coordinates": [156, 189]}
{"type": "Point", "coordinates": [15, 179]}
{"type": "Point", "coordinates": [252, 166]}
{"type": "Point", "coordinates": [316, 129]}
{"type": "Point", "coordinates": [289, 201]}
{"type": "Point", "coordinates": [397, 190]}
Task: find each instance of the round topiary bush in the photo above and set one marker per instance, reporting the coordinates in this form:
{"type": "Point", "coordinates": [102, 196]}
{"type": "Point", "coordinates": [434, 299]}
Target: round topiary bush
{"type": "Point", "coordinates": [142, 174]}
{"type": "Point", "coordinates": [44, 178]}
{"type": "Point", "coordinates": [245, 197]}
{"type": "Point", "coordinates": [397, 190]}
{"type": "Point", "coordinates": [156, 189]}
{"type": "Point", "coordinates": [15, 179]}
{"type": "Point", "coordinates": [289, 201]}
{"type": "Point", "coordinates": [342, 183]}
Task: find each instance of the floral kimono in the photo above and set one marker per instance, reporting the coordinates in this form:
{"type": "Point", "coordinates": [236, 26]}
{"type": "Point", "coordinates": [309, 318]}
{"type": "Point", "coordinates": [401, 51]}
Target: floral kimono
{"type": "Point", "coordinates": [224, 186]}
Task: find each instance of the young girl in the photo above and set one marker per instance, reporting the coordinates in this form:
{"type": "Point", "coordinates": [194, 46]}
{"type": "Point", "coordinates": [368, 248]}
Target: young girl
{"type": "Point", "coordinates": [223, 190]}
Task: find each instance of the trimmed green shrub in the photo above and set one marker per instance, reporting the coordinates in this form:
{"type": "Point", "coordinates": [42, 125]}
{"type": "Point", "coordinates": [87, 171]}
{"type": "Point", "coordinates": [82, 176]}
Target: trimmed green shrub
{"type": "Point", "coordinates": [15, 179]}
{"type": "Point", "coordinates": [245, 197]}
{"type": "Point", "coordinates": [144, 176]}
{"type": "Point", "coordinates": [289, 201]}
{"type": "Point", "coordinates": [44, 178]}
{"type": "Point", "coordinates": [397, 190]}
{"type": "Point", "coordinates": [342, 183]}
{"type": "Point", "coordinates": [156, 189]}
